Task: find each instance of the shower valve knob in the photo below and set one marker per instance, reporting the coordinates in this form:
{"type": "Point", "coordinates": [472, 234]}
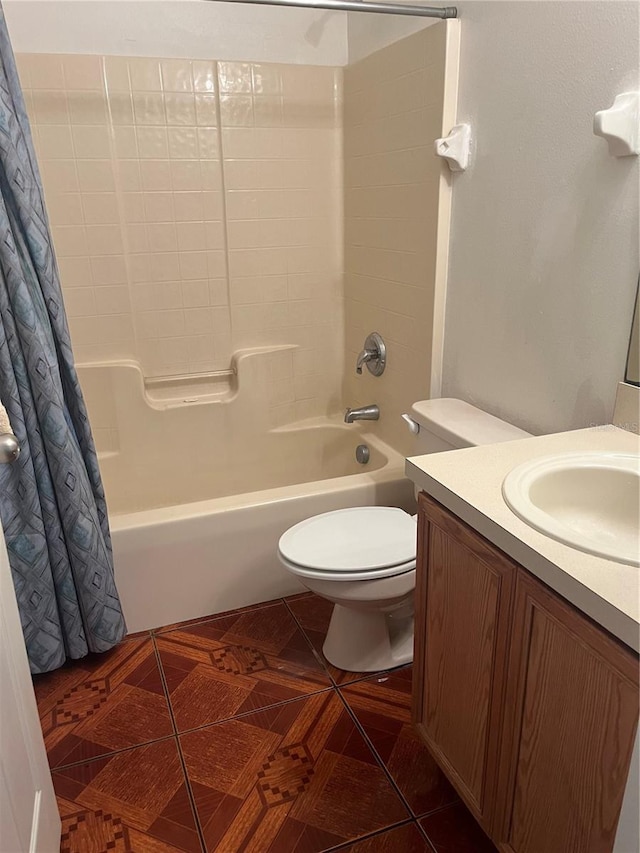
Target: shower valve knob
{"type": "Point", "coordinates": [374, 355]}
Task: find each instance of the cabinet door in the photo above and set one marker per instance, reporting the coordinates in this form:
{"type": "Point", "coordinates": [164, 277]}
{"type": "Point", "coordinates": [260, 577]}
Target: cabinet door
{"type": "Point", "coordinates": [463, 601]}
{"type": "Point", "coordinates": [571, 716]}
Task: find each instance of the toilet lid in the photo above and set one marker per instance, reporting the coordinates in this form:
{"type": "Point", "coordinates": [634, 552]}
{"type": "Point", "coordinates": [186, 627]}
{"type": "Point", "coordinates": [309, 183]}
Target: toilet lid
{"type": "Point", "coordinates": [348, 540]}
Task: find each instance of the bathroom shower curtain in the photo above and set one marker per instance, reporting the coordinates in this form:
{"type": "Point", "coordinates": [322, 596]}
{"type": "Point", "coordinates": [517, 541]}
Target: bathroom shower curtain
{"type": "Point", "coordinates": [52, 502]}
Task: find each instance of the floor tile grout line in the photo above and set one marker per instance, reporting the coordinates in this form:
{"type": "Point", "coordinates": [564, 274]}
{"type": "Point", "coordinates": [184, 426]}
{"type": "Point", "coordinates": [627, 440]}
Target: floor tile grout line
{"type": "Point", "coordinates": [165, 688]}
{"type": "Point", "coordinates": [314, 651]}
{"type": "Point", "coordinates": [423, 815]}
{"type": "Point", "coordinates": [345, 845]}
{"type": "Point", "coordinates": [185, 773]}
{"type": "Point", "coordinates": [240, 716]}
{"type": "Point", "coordinates": [111, 753]}
{"type": "Point", "coordinates": [416, 816]}
{"type": "Point", "coordinates": [376, 755]}
{"type": "Point", "coordinates": [192, 800]}
{"type": "Point", "coordinates": [435, 812]}
{"type": "Point", "coordinates": [423, 833]}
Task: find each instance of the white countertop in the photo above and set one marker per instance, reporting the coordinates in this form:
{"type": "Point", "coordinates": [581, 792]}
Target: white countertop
{"type": "Point", "coordinates": [469, 483]}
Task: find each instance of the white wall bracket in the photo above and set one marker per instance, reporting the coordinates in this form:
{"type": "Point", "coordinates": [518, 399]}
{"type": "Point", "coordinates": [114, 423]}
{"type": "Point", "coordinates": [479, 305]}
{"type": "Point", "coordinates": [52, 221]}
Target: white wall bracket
{"type": "Point", "coordinates": [455, 147]}
{"type": "Point", "coordinates": [620, 125]}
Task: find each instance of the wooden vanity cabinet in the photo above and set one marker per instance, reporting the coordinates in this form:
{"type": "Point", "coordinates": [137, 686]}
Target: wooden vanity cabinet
{"type": "Point", "coordinates": [529, 707]}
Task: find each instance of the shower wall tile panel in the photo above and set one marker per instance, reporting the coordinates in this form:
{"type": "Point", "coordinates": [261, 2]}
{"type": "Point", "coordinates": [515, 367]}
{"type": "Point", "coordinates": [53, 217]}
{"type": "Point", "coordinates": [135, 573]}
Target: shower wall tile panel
{"type": "Point", "coordinates": [196, 210]}
{"type": "Point", "coordinates": [393, 103]}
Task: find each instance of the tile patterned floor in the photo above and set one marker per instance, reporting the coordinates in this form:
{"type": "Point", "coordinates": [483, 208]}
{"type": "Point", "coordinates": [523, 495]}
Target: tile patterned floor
{"type": "Point", "coordinates": [234, 734]}
{"type": "Point", "coordinates": [216, 670]}
{"type": "Point", "coordinates": [103, 703]}
{"type": "Point", "coordinates": [382, 706]}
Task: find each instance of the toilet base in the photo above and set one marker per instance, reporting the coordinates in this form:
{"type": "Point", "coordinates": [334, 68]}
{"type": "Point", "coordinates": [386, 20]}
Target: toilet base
{"type": "Point", "coordinates": [368, 641]}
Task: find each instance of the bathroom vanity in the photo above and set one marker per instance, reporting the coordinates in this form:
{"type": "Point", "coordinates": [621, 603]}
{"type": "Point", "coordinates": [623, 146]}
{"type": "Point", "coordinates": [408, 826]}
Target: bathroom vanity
{"type": "Point", "coordinates": [526, 661]}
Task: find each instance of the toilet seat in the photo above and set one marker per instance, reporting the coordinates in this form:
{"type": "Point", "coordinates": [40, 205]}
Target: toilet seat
{"type": "Point", "coordinates": [359, 543]}
{"type": "Point", "coordinates": [374, 574]}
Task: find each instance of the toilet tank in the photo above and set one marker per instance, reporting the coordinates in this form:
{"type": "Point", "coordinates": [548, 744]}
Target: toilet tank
{"type": "Point", "coordinates": [448, 424]}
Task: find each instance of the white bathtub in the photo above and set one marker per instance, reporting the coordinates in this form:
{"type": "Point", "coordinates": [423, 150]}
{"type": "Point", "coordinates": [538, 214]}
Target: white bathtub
{"type": "Point", "coordinates": [200, 493]}
{"type": "Point", "coordinates": [191, 560]}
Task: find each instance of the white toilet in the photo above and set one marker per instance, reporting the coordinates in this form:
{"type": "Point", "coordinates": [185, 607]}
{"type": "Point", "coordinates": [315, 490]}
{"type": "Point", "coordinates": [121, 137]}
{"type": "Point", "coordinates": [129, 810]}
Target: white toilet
{"type": "Point", "coordinates": [364, 558]}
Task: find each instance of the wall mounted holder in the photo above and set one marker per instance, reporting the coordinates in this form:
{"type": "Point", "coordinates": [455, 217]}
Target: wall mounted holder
{"type": "Point", "coordinates": [620, 125]}
{"type": "Point", "coordinates": [455, 147]}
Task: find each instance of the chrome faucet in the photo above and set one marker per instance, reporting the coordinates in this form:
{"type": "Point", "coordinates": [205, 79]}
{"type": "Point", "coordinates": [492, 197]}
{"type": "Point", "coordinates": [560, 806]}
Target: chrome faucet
{"type": "Point", "coordinates": [365, 413]}
{"type": "Point", "coordinates": [374, 355]}
{"type": "Point", "coordinates": [365, 356]}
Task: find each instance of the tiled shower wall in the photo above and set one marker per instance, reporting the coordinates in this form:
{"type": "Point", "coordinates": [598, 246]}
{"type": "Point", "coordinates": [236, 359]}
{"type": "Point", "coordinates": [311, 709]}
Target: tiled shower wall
{"type": "Point", "coordinates": [196, 210]}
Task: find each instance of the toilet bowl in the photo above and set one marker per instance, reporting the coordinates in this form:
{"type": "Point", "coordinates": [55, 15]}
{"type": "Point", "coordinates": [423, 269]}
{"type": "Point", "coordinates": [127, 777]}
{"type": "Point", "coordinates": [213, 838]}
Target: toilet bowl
{"type": "Point", "coordinates": [363, 559]}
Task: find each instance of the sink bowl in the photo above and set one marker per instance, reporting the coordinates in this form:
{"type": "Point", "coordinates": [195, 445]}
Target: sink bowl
{"type": "Point", "coordinates": [590, 501]}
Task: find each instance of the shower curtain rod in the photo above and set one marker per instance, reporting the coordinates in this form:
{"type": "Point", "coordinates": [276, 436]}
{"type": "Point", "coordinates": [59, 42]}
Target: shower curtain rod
{"type": "Point", "coordinates": [358, 6]}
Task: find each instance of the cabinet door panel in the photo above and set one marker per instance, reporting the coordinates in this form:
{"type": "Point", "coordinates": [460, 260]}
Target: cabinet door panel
{"type": "Point", "coordinates": [574, 714]}
{"type": "Point", "coordinates": [466, 594]}
{"type": "Point", "coordinates": [462, 614]}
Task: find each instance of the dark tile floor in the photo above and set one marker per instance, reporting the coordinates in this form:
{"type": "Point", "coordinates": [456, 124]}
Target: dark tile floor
{"type": "Point", "coordinates": [234, 734]}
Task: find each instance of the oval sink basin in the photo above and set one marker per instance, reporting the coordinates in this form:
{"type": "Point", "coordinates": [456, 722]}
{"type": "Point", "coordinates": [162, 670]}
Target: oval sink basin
{"type": "Point", "coordinates": [590, 501]}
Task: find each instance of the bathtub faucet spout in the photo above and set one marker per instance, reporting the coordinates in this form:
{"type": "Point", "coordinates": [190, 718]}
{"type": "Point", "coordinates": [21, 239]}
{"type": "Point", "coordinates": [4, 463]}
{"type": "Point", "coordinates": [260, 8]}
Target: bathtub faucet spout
{"type": "Point", "coordinates": [365, 413]}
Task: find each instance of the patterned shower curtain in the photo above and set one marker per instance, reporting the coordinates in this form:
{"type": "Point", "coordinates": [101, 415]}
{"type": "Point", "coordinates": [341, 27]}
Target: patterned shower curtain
{"type": "Point", "coordinates": [52, 502]}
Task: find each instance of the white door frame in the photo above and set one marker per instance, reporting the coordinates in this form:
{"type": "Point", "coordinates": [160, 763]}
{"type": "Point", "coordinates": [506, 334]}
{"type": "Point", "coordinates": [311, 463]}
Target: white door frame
{"type": "Point", "coordinates": [29, 819]}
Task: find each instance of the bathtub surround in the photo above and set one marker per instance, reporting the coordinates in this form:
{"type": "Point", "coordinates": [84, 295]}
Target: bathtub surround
{"type": "Point", "coordinates": [195, 209]}
{"type": "Point", "coordinates": [198, 213]}
{"type": "Point", "coordinates": [137, 431]}
{"type": "Point", "coordinates": [397, 210]}
{"type": "Point", "coordinates": [51, 497]}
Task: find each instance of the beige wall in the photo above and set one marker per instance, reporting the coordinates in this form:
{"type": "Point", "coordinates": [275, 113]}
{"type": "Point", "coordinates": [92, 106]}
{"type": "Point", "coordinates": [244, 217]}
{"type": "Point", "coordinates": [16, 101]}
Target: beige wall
{"type": "Point", "coordinates": [393, 110]}
{"type": "Point", "coordinates": [195, 209]}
